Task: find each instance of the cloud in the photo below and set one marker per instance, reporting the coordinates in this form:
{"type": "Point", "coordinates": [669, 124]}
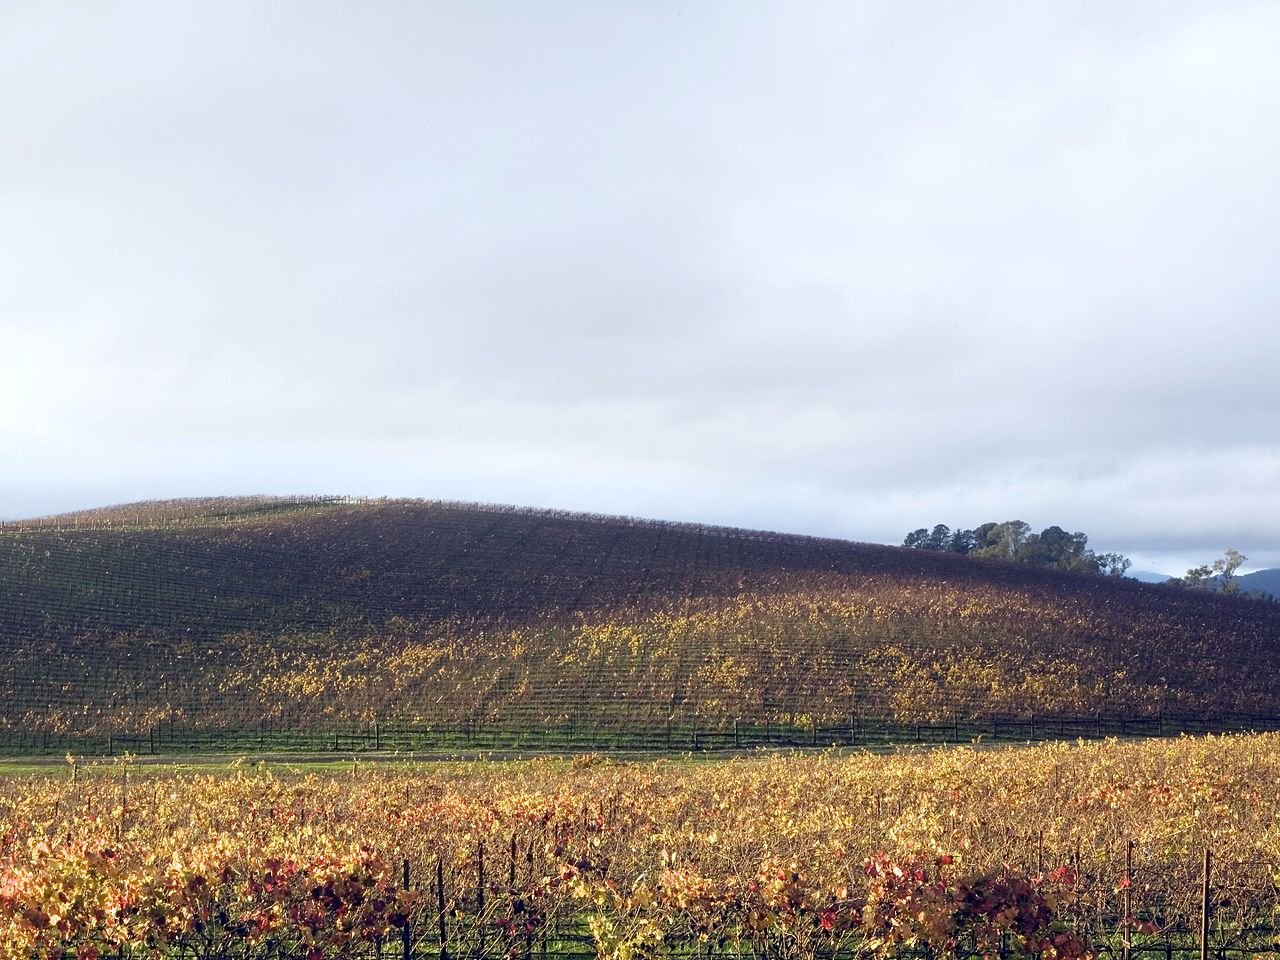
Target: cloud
{"type": "Point", "coordinates": [848, 270]}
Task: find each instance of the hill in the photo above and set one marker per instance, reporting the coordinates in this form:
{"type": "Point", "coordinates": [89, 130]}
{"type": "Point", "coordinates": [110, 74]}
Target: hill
{"type": "Point", "coordinates": [1263, 582]}
{"type": "Point", "coordinates": [1147, 576]}
{"type": "Point", "coordinates": [261, 613]}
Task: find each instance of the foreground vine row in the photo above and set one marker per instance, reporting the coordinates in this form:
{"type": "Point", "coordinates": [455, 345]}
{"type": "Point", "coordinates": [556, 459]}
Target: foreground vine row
{"type": "Point", "coordinates": [1048, 851]}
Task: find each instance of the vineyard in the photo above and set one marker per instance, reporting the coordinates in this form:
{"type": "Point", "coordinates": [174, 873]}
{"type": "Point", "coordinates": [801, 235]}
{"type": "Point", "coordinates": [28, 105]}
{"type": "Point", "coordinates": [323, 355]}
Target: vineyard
{"type": "Point", "coordinates": [306, 621]}
{"type": "Point", "coordinates": [1159, 847]}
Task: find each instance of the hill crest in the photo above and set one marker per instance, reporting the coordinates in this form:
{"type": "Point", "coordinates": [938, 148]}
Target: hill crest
{"type": "Point", "coordinates": [317, 611]}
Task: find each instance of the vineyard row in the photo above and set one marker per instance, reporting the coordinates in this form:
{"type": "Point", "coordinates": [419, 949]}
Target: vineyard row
{"type": "Point", "coordinates": [169, 737]}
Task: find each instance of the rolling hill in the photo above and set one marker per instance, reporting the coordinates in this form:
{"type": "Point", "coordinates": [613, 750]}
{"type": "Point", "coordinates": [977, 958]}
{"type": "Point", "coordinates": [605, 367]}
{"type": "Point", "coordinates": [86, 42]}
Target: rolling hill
{"type": "Point", "coordinates": [332, 614]}
{"type": "Point", "coordinates": [1261, 582]}
{"type": "Point", "coordinates": [1147, 576]}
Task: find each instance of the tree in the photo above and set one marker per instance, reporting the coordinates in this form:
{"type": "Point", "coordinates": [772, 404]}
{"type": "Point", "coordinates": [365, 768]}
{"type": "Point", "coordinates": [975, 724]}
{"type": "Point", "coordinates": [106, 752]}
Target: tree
{"type": "Point", "coordinates": [940, 538]}
{"type": "Point", "coordinates": [1052, 547]}
{"type": "Point", "coordinates": [1113, 564]}
{"type": "Point", "coordinates": [1197, 578]}
{"type": "Point", "coordinates": [1226, 568]}
{"type": "Point", "coordinates": [1220, 574]}
{"type": "Point", "coordinates": [917, 539]}
{"type": "Point", "coordinates": [983, 536]}
{"type": "Point", "coordinates": [1004, 540]}
{"type": "Point", "coordinates": [963, 542]}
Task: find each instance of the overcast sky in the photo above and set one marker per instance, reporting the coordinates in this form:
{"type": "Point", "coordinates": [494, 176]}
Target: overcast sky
{"type": "Point", "coordinates": [842, 268]}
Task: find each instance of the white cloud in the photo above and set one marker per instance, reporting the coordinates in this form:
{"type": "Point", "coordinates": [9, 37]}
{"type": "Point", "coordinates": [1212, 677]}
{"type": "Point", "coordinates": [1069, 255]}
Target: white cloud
{"type": "Point", "coordinates": [848, 270]}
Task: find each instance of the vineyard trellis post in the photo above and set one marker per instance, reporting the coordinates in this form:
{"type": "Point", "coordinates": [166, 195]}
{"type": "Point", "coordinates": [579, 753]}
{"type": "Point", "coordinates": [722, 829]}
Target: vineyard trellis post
{"type": "Point", "coordinates": [406, 934]}
{"type": "Point", "coordinates": [1204, 905]}
{"type": "Point", "coordinates": [1128, 901]}
{"type": "Point", "coordinates": [528, 930]}
{"type": "Point", "coordinates": [443, 932]}
{"type": "Point", "coordinates": [1079, 880]}
{"type": "Point", "coordinates": [480, 893]}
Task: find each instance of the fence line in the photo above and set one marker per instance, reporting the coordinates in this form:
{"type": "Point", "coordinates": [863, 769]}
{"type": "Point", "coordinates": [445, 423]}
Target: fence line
{"type": "Point", "coordinates": [1112, 937]}
{"type": "Point", "coordinates": [687, 736]}
{"type": "Point", "coordinates": [440, 932]}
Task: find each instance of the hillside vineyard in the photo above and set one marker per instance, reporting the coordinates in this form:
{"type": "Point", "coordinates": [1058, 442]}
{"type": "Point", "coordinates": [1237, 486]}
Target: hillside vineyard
{"type": "Point", "coordinates": [264, 616]}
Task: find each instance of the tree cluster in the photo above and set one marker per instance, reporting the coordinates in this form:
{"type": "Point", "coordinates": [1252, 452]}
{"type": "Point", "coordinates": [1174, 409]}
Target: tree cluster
{"type": "Point", "coordinates": [1219, 575]}
{"type": "Point", "coordinates": [1014, 540]}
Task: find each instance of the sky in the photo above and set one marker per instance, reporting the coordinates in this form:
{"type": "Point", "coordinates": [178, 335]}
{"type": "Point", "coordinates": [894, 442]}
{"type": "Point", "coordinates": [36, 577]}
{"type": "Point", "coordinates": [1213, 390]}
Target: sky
{"type": "Point", "coordinates": [844, 268]}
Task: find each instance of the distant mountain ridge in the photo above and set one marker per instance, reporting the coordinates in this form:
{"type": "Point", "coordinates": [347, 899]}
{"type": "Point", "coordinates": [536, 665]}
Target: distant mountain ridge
{"type": "Point", "coordinates": [1261, 583]}
{"type": "Point", "coordinates": [1148, 576]}
{"type": "Point", "coordinates": [1264, 582]}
